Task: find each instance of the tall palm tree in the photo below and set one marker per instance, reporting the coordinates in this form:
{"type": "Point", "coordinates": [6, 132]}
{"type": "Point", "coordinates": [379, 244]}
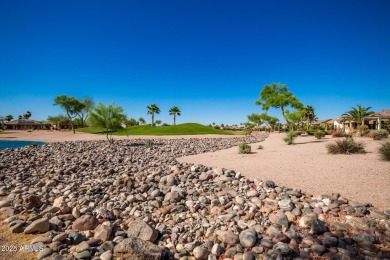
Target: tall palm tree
{"type": "Point", "coordinates": [174, 111]}
{"type": "Point", "coordinates": [356, 114]}
{"type": "Point", "coordinates": [27, 115]}
{"type": "Point", "coordinates": [9, 118]}
{"type": "Point", "coordinates": [153, 109]}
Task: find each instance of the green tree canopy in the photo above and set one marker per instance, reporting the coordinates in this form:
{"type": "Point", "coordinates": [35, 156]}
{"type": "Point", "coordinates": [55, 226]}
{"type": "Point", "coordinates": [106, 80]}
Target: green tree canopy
{"type": "Point", "coordinates": [153, 109]}
{"type": "Point", "coordinates": [108, 117]}
{"type": "Point", "coordinates": [131, 122]}
{"type": "Point", "coordinates": [269, 120]}
{"type": "Point", "coordinates": [141, 121]}
{"type": "Point", "coordinates": [158, 122]}
{"type": "Point", "coordinates": [71, 105]}
{"type": "Point", "coordinates": [277, 95]}
{"type": "Point", "coordinates": [9, 118]}
{"type": "Point", "coordinates": [256, 119]}
{"type": "Point", "coordinates": [174, 111]}
{"type": "Point", "coordinates": [58, 120]}
{"type": "Point", "coordinates": [295, 117]}
{"type": "Point", "coordinates": [87, 108]}
{"type": "Point", "coordinates": [27, 115]}
{"type": "Point", "coordinates": [356, 114]}
{"type": "Point", "coordinates": [309, 115]}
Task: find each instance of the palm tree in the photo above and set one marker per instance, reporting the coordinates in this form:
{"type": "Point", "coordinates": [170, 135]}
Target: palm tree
{"type": "Point", "coordinates": [309, 115]}
{"type": "Point", "coordinates": [356, 114]}
{"type": "Point", "coordinates": [9, 118]}
{"type": "Point", "coordinates": [27, 115]}
{"type": "Point", "coordinates": [141, 121]}
{"type": "Point", "coordinates": [153, 109]}
{"type": "Point", "coordinates": [174, 111]}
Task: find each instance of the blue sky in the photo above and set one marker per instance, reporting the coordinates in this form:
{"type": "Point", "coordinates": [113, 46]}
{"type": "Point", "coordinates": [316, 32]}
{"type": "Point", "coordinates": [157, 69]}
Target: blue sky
{"type": "Point", "coordinates": [210, 58]}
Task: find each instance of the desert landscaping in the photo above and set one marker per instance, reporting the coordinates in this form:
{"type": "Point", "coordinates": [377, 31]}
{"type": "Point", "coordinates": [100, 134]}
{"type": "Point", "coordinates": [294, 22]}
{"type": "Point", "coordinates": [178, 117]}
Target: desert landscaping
{"type": "Point", "coordinates": [192, 197]}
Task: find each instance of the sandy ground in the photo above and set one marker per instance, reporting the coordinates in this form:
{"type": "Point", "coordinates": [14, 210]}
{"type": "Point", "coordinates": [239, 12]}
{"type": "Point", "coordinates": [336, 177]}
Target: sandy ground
{"type": "Point", "coordinates": [62, 136]}
{"type": "Point", "coordinates": [307, 166]}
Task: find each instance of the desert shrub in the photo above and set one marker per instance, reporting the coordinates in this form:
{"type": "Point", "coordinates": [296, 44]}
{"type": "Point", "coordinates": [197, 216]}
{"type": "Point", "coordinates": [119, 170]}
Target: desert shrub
{"type": "Point", "coordinates": [260, 147]}
{"type": "Point", "coordinates": [149, 143]}
{"type": "Point", "coordinates": [33, 144]}
{"type": "Point", "coordinates": [289, 138]}
{"type": "Point", "coordinates": [345, 146]}
{"type": "Point", "coordinates": [338, 133]}
{"type": "Point", "coordinates": [244, 148]}
{"type": "Point", "coordinates": [384, 151]}
{"type": "Point", "coordinates": [380, 134]}
{"type": "Point", "coordinates": [366, 132]}
{"type": "Point", "coordinates": [319, 134]}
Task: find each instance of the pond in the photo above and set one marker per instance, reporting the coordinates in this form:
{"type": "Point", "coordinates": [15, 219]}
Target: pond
{"type": "Point", "coordinates": [4, 144]}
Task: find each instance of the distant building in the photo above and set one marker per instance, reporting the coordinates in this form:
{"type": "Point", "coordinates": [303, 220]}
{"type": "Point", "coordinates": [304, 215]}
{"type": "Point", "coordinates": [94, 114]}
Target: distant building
{"type": "Point", "coordinates": [378, 120]}
{"type": "Point", "coordinates": [23, 124]}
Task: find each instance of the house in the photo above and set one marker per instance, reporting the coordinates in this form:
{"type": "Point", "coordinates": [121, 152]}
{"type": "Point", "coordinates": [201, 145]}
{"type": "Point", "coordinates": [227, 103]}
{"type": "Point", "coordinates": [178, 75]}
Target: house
{"type": "Point", "coordinates": [326, 123]}
{"type": "Point", "coordinates": [23, 124]}
{"type": "Point", "coordinates": [378, 120]}
{"type": "Point", "coordinates": [337, 123]}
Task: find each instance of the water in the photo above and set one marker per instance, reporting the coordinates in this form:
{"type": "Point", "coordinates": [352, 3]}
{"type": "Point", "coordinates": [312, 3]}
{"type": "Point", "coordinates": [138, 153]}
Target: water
{"type": "Point", "coordinates": [4, 144]}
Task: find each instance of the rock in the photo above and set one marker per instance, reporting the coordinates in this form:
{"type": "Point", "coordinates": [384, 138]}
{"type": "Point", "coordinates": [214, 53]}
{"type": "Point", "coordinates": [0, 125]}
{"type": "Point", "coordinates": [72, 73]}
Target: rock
{"type": "Point", "coordinates": [103, 231]}
{"type": "Point", "coordinates": [142, 230]}
{"type": "Point", "coordinates": [318, 249]}
{"type": "Point", "coordinates": [172, 196]}
{"type": "Point", "coordinates": [280, 218]}
{"type": "Point", "coordinates": [306, 220]}
{"type": "Point", "coordinates": [41, 225]}
{"type": "Point", "coordinates": [60, 237]}
{"type": "Point", "coordinates": [44, 253]}
{"type": "Point", "coordinates": [32, 201]}
{"type": "Point", "coordinates": [83, 246]}
{"type": "Point", "coordinates": [286, 204]}
{"type": "Point", "coordinates": [248, 256]}
{"type": "Point", "coordinates": [200, 252]}
{"type": "Point", "coordinates": [61, 204]}
{"type": "Point", "coordinates": [230, 238]}
{"type": "Point", "coordinates": [137, 249]}
{"type": "Point", "coordinates": [83, 255]}
{"type": "Point", "coordinates": [247, 238]}
{"type": "Point", "coordinates": [318, 227]}
{"type": "Point", "coordinates": [330, 242]}
{"type": "Point", "coordinates": [217, 249]}
{"type": "Point", "coordinates": [44, 240]}
{"type": "Point", "coordinates": [85, 222]}
{"type": "Point", "coordinates": [251, 193]}
{"type": "Point", "coordinates": [106, 255]}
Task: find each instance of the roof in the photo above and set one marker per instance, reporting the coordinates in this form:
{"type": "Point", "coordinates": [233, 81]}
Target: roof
{"type": "Point", "coordinates": [381, 114]}
{"type": "Point", "coordinates": [321, 121]}
{"type": "Point", "coordinates": [23, 122]}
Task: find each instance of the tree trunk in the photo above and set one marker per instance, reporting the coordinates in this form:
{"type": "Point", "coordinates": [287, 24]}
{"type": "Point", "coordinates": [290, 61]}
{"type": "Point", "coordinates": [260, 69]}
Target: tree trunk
{"type": "Point", "coordinates": [72, 125]}
{"type": "Point", "coordinates": [152, 119]}
{"type": "Point", "coordinates": [174, 119]}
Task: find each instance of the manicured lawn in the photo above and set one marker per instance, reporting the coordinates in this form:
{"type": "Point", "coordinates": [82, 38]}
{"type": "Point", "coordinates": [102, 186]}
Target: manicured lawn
{"type": "Point", "coordinates": [1, 133]}
{"type": "Point", "coordinates": [182, 129]}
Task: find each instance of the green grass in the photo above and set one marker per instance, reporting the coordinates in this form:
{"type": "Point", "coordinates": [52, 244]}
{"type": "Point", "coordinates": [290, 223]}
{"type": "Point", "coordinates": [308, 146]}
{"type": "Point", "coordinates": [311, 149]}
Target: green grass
{"type": "Point", "coordinates": [182, 129]}
{"type": "Point", "coordinates": [1, 132]}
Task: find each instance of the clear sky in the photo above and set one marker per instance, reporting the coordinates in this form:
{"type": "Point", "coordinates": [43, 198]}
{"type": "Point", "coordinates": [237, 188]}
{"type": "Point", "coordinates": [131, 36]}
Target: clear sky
{"type": "Point", "coordinates": [209, 58]}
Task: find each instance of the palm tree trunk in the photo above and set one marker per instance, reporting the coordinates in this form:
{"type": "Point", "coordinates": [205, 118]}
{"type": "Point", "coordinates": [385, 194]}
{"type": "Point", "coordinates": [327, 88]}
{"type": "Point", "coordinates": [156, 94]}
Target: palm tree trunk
{"type": "Point", "coordinates": [72, 125]}
{"type": "Point", "coordinates": [152, 119]}
{"type": "Point", "coordinates": [174, 119]}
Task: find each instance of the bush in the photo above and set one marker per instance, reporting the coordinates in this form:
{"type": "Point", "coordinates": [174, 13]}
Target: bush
{"type": "Point", "coordinates": [244, 148]}
{"type": "Point", "coordinates": [260, 147]}
{"type": "Point", "coordinates": [149, 143]}
{"type": "Point", "coordinates": [33, 144]}
{"type": "Point", "coordinates": [289, 139]}
{"type": "Point", "coordinates": [338, 133]}
{"type": "Point", "coordinates": [319, 134]}
{"type": "Point", "coordinates": [384, 151]}
{"type": "Point", "coordinates": [345, 146]}
{"type": "Point", "coordinates": [366, 132]}
{"type": "Point", "coordinates": [380, 134]}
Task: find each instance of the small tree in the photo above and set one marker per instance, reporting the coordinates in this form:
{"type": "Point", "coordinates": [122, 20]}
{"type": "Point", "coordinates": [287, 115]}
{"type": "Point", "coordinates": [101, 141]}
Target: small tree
{"type": "Point", "coordinates": [88, 105]}
{"type": "Point", "coordinates": [309, 115]}
{"type": "Point", "coordinates": [295, 118]}
{"type": "Point", "coordinates": [141, 121]}
{"type": "Point", "coordinates": [58, 120]}
{"type": "Point", "coordinates": [256, 119]}
{"type": "Point", "coordinates": [27, 115]}
{"type": "Point", "coordinates": [158, 122]}
{"type": "Point", "coordinates": [174, 111]}
{"type": "Point", "coordinates": [278, 96]}
{"type": "Point", "coordinates": [71, 105]}
{"type": "Point", "coordinates": [9, 118]}
{"type": "Point", "coordinates": [153, 109]}
{"type": "Point", "coordinates": [108, 117]}
{"type": "Point", "coordinates": [131, 122]}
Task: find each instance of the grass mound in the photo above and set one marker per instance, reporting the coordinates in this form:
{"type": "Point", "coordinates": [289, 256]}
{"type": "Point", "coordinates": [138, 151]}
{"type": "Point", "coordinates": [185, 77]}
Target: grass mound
{"type": "Point", "coordinates": [345, 146]}
{"type": "Point", "coordinates": [244, 148]}
{"type": "Point", "coordinates": [182, 129]}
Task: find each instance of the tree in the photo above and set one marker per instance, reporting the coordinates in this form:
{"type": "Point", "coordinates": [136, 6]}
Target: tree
{"type": "Point", "coordinates": [71, 105]}
{"type": "Point", "coordinates": [256, 119]}
{"type": "Point", "coordinates": [84, 112]}
{"type": "Point", "coordinates": [158, 122]}
{"type": "Point", "coordinates": [20, 117]}
{"type": "Point", "coordinates": [9, 118]}
{"type": "Point", "coordinates": [278, 96]}
{"type": "Point", "coordinates": [153, 109]}
{"type": "Point", "coordinates": [58, 120]}
{"type": "Point", "coordinates": [141, 121]}
{"type": "Point", "coordinates": [309, 115]}
{"type": "Point", "coordinates": [131, 122]}
{"type": "Point", "coordinates": [295, 117]}
{"type": "Point", "coordinates": [27, 115]}
{"type": "Point", "coordinates": [356, 114]}
{"type": "Point", "coordinates": [108, 117]}
{"type": "Point", "coordinates": [271, 121]}
{"type": "Point", "coordinates": [173, 112]}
